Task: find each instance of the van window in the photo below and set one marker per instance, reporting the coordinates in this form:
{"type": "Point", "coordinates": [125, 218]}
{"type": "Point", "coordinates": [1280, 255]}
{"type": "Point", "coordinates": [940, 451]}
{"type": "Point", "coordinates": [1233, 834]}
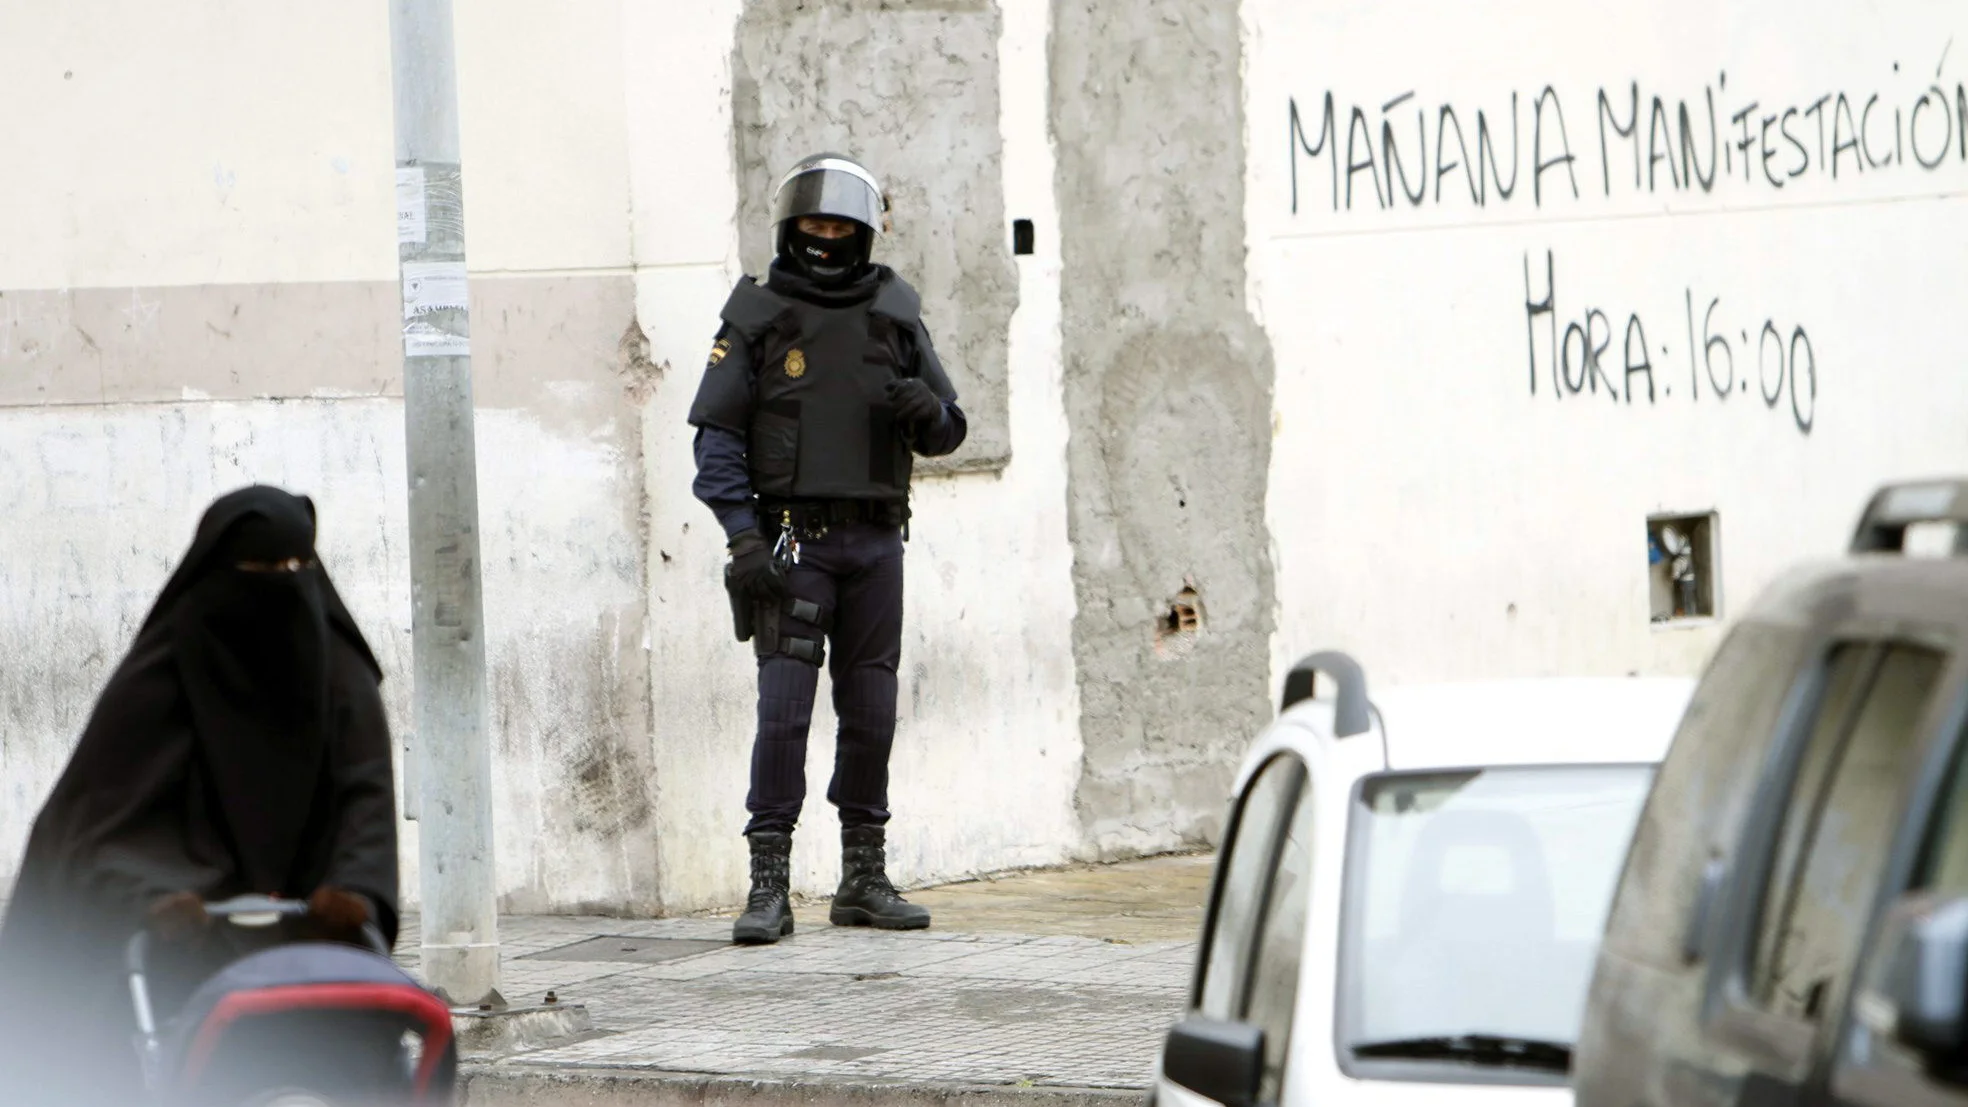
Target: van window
{"type": "Point", "coordinates": [1249, 858]}
{"type": "Point", "coordinates": [1846, 671]}
{"type": "Point", "coordinates": [1843, 810]}
{"type": "Point", "coordinates": [1702, 787]}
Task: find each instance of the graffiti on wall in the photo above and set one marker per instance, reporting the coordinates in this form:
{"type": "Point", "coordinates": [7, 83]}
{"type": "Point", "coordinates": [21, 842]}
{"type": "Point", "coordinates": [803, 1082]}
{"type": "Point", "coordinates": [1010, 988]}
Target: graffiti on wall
{"type": "Point", "coordinates": [1703, 352]}
{"type": "Point", "coordinates": [1536, 146]}
{"type": "Point", "coordinates": [1548, 149]}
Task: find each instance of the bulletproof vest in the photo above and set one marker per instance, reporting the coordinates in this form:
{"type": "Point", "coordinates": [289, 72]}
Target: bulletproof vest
{"type": "Point", "coordinates": [821, 425]}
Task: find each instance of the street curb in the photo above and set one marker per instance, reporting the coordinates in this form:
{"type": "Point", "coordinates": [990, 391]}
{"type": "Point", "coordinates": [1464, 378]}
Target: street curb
{"type": "Point", "coordinates": [512, 1085]}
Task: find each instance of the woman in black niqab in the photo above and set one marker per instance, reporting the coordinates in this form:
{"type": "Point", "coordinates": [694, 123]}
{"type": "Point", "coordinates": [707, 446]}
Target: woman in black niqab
{"type": "Point", "coordinates": [240, 747]}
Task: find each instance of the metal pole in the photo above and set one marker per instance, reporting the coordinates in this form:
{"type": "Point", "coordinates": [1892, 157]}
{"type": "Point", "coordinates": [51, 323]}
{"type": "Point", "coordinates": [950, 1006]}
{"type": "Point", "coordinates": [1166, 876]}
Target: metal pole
{"type": "Point", "coordinates": [460, 902]}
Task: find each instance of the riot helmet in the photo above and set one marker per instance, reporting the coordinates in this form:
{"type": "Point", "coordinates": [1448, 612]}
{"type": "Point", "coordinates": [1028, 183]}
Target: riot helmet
{"type": "Point", "coordinates": [828, 186]}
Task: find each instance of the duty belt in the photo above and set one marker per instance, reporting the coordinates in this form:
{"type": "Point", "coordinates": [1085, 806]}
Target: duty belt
{"type": "Point", "coordinates": [811, 518]}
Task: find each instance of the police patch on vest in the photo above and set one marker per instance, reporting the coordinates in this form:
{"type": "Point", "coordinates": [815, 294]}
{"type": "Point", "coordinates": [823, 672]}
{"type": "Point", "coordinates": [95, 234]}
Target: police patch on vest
{"type": "Point", "coordinates": [795, 364]}
{"type": "Point", "coordinates": [718, 349]}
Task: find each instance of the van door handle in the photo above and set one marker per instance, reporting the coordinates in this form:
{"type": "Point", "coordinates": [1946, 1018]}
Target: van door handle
{"type": "Point", "coordinates": [1694, 943]}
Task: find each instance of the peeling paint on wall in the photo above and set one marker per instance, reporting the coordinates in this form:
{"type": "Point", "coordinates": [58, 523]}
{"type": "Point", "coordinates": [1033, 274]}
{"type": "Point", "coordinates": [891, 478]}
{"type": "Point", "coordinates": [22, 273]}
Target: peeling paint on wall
{"type": "Point", "coordinates": [103, 501]}
{"type": "Point", "coordinates": [987, 749]}
{"type": "Point", "coordinates": [1168, 389]}
{"type": "Point", "coordinates": [913, 92]}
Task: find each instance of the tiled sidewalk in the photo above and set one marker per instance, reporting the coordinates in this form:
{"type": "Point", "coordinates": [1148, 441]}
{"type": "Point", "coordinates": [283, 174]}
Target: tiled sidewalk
{"type": "Point", "coordinates": [930, 1008]}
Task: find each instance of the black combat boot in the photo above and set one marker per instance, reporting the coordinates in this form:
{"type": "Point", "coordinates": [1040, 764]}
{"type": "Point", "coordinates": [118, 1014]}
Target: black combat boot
{"type": "Point", "coordinates": [866, 898]}
{"type": "Point", "coordinates": [768, 916]}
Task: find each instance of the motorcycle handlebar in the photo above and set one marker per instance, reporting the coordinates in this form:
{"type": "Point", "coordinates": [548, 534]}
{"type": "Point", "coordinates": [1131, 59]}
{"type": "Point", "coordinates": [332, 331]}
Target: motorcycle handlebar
{"type": "Point", "coordinates": [137, 952]}
{"type": "Point", "coordinates": [236, 910]}
{"type": "Point", "coordinates": [256, 905]}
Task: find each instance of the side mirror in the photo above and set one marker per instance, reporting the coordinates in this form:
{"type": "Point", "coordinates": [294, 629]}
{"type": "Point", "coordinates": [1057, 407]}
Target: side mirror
{"type": "Point", "coordinates": [1223, 1061]}
{"type": "Point", "coordinates": [1919, 993]}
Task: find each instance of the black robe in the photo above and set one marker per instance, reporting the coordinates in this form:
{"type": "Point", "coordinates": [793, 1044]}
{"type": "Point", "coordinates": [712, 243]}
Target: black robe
{"type": "Point", "coordinates": [240, 747]}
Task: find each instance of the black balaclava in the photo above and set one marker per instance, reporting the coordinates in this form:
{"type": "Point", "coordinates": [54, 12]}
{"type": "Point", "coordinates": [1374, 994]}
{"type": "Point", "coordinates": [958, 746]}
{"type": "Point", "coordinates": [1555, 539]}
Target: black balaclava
{"type": "Point", "coordinates": [830, 263]}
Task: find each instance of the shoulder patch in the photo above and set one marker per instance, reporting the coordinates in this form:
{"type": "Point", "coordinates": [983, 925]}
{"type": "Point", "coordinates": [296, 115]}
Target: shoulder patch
{"type": "Point", "coordinates": [718, 349]}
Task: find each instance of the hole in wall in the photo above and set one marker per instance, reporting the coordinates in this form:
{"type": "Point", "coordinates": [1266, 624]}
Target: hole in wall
{"type": "Point", "coordinates": [1180, 624]}
{"type": "Point", "coordinates": [1021, 236]}
{"type": "Point", "coordinates": [1182, 619]}
{"type": "Point", "coordinates": [1681, 567]}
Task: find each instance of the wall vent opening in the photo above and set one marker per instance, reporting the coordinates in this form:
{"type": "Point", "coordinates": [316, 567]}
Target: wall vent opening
{"type": "Point", "coordinates": [1021, 236]}
{"type": "Point", "coordinates": [1682, 580]}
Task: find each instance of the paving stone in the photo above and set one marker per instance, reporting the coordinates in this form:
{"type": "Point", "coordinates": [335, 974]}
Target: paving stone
{"type": "Point", "coordinates": [1080, 1002]}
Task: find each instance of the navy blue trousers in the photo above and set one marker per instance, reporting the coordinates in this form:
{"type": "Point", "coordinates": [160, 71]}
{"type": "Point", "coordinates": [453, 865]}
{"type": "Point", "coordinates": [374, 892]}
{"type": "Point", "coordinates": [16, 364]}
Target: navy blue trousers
{"type": "Point", "coordinates": [854, 573]}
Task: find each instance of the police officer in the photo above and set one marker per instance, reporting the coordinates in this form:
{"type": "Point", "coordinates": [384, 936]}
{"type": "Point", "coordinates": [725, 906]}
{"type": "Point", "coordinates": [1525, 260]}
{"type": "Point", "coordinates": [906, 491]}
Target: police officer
{"type": "Point", "coordinates": [821, 387]}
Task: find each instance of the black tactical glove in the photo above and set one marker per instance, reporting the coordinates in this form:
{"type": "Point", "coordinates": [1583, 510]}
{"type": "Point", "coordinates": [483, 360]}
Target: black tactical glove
{"type": "Point", "coordinates": [913, 401]}
{"type": "Point", "coordinates": [752, 571]}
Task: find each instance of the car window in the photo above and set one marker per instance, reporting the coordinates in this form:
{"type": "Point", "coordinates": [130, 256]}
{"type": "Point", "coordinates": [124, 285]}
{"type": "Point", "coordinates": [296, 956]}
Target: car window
{"type": "Point", "coordinates": [1841, 816]}
{"type": "Point", "coordinates": [1274, 975]}
{"type": "Point", "coordinates": [1475, 900]}
{"type": "Point", "coordinates": [1699, 799]}
{"type": "Point", "coordinates": [1248, 859]}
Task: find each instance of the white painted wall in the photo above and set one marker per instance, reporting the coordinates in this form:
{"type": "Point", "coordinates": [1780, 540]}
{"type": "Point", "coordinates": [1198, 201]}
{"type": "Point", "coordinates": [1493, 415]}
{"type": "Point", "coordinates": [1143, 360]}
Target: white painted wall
{"type": "Point", "coordinates": [1439, 516]}
{"type": "Point", "coordinates": [987, 754]}
{"type": "Point", "coordinates": [543, 133]}
{"type": "Point", "coordinates": [100, 507]}
{"type": "Point", "coordinates": [597, 145]}
{"type": "Point", "coordinates": [228, 144]}
{"type": "Point", "coordinates": [1431, 512]}
{"type": "Point", "coordinates": [217, 142]}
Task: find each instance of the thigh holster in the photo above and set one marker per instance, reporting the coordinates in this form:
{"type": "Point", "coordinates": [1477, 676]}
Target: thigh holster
{"type": "Point", "coordinates": [770, 638]}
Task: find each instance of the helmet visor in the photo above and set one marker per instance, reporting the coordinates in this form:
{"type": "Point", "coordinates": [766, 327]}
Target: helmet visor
{"type": "Point", "coordinates": [828, 192]}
